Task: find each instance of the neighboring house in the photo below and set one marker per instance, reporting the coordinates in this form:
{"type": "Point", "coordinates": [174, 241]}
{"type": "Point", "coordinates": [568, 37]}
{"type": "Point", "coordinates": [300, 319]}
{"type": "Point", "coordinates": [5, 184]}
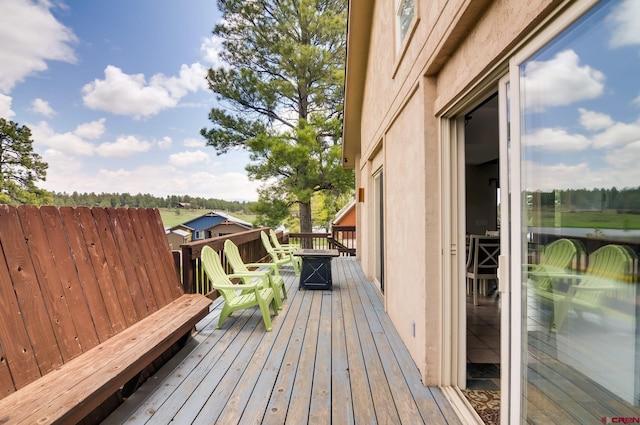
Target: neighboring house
{"type": "Point", "coordinates": [213, 224]}
{"type": "Point", "coordinates": [346, 216]}
{"type": "Point", "coordinates": [343, 228]}
{"type": "Point", "coordinates": [463, 117]}
{"type": "Point", "coordinates": [177, 236]}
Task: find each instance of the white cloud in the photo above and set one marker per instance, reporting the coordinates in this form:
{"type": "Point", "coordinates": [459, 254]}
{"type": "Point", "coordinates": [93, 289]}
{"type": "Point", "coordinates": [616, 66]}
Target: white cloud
{"type": "Point", "coordinates": [194, 143]}
{"type": "Point", "coordinates": [158, 180]}
{"type": "Point", "coordinates": [5, 107]}
{"type": "Point", "coordinates": [190, 79]}
{"type": "Point", "coordinates": [626, 19]}
{"type": "Point", "coordinates": [123, 147]}
{"type": "Point", "coordinates": [130, 94]}
{"type": "Point", "coordinates": [562, 176]}
{"type": "Point", "coordinates": [125, 94]}
{"type": "Point", "coordinates": [42, 107]}
{"type": "Point", "coordinates": [29, 37]}
{"type": "Point", "coordinates": [626, 157]}
{"type": "Point", "coordinates": [556, 176]}
{"type": "Point", "coordinates": [211, 48]}
{"type": "Point", "coordinates": [556, 140]}
{"type": "Point", "coordinates": [62, 167]}
{"type": "Point", "coordinates": [75, 143]}
{"type": "Point", "coordinates": [229, 186]}
{"type": "Point", "coordinates": [561, 81]}
{"type": "Point", "coordinates": [91, 130]}
{"type": "Point", "coordinates": [594, 121]}
{"type": "Point", "coordinates": [618, 134]}
{"type": "Point", "coordinates": [165, 143]}
{"type": "Point", "coordinates": [65, 143]}
{"type": "Point", "coordinates": [186, 159]}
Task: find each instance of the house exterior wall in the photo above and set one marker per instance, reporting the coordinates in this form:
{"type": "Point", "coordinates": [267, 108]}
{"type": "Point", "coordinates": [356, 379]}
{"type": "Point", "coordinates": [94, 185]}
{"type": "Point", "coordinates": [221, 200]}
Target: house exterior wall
{"type": "Point", "coordinates": [405, 224]}
{"type": "Point", "coordinates": [176, 240]}
{"type": "Point", "coordinates": [349, 219]}
{"type": "Point", "coordinates": [452, 45]}
{"type": "Point", "coordinates": [225, 228]}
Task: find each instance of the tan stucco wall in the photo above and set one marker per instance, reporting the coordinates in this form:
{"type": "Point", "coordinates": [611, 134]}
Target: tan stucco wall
{"type": "Point", "coordinates": [455, 43]}
{"type": "Point", "coordinates": [405, 224]}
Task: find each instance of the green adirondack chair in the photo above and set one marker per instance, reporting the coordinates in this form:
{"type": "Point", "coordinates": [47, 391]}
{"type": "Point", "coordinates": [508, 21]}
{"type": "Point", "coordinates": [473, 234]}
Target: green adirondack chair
{"type": "Point", "coordinates": [237, 297]}
{"type": "Point", "coordinates": [290, 248]}
{"type": "Point", "coordinates": [558, 257]}
{"type": "Point", "coordinates": [280, 257]}
{"type": "Point", "coordinates": [609, 269]}
{"type": "Point", "coordinates": [240, 268]}
{"type": "Point", "coordinates": [277, 245]}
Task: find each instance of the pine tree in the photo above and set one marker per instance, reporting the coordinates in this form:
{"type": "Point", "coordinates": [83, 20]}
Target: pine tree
{"type": "Point", "coordinates": [20, 167]}
{"type": "Point", "coordinates": [280, 96]}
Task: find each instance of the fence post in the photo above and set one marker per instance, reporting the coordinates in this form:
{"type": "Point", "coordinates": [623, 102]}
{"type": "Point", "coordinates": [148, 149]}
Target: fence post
{"type": "Point", "coordinates": [188, 271]}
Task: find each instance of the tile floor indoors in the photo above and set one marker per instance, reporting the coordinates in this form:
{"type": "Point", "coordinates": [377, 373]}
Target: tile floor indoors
{"type": "Point", "coordinates": [483, 343]}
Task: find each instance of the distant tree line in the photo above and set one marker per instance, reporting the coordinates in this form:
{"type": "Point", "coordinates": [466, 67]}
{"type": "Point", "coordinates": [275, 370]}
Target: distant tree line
{"type": "Point", "coordinates": [625, 200]}
{"type": "Point", "coordinates": [145, 200]}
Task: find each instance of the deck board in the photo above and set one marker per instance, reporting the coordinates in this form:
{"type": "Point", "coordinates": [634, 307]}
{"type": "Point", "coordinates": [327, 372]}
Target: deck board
{"type": "Point", "coordinates": [332, 357]}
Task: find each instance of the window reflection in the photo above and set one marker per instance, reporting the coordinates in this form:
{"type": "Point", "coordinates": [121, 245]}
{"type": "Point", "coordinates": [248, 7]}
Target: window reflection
{"type": "Point", "coordinates": [581, 188]}
{"type": "Point", "coordinates": [405, 16]}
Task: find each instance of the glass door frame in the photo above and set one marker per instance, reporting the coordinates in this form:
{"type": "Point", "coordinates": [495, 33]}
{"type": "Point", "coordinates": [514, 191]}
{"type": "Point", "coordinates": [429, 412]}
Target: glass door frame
{"type": "Point", "coordinates": [454, 228]}
{"type": "Point", "coordinates": [548, 30]}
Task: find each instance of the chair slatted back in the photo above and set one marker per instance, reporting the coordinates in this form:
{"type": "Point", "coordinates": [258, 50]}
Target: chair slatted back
{"type": "Point", "coordinates": [558, 256]}
{"type": "Point", "coordinates": [486, 250]}
{"type": "Point", "coordinates": [609, 266]}
{"type": "Point", "coordinates": [232, 253]}
{"type": "Point", "coordinates": [212, 265]}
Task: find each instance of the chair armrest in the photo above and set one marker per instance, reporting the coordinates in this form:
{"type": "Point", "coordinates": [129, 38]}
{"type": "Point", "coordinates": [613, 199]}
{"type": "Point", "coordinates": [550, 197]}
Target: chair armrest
{"type": "Point", "coordinates": [270, 265]}
{"type": "Point", "coordinates": [243, 275]}
{"type": "Point", "coordinates": [237, 287]}
{"type": "Point", "coordinates": [592, 288]}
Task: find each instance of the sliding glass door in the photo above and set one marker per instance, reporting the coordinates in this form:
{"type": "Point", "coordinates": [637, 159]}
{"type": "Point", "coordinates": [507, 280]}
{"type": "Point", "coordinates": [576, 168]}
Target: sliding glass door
{"type": "Point", "coordinates": [576, 221]}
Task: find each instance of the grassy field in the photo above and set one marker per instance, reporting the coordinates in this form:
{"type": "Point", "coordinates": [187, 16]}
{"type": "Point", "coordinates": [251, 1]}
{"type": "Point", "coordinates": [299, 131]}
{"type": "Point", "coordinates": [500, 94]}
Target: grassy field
{"type": "Point", "coordinates": [608, 219]}
{"type": "Point", "coordinates": [172, 217]}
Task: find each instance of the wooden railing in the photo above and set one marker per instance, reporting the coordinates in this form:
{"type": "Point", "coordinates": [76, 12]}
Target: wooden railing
{"type": "Point", "coordinates": [252, 251]}
{"type": "Point", "coordinates": [250, 247]}
{"type": "Point", "coordinates": [342, 238]}
{"type": "Point", "coordinates": [310, 240]}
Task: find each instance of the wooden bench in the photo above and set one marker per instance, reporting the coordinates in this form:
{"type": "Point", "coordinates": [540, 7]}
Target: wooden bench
{"type": "Point", "coordinates": [90, 304]}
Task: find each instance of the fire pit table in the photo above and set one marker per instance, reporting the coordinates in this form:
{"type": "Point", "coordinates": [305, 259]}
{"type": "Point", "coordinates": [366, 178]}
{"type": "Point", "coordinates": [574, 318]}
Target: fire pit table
{"type": "Point", "coordinates": [316, 267]}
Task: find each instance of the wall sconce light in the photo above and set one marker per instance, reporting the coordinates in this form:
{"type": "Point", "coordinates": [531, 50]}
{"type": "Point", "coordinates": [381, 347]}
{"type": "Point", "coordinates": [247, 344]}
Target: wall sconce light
{"type": "Point", "coordinates": [345, 159]}
{"type": "Point", "coordinates": [361, 194]}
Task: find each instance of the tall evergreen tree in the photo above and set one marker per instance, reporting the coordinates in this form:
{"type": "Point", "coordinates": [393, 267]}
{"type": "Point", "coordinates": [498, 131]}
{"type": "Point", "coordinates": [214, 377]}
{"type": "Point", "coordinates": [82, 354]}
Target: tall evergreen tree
{"type": "Point", "coordinates": [20, 167]}
{"type": "Point", "coordinates": [280, 94]}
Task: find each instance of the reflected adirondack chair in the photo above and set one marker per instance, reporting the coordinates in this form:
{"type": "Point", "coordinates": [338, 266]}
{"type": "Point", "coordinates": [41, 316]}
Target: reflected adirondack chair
{"type": "Point", "coordinates": [280, 257]}
{"type": "Point", "coordinates": [237, 297]}
{"type": "Point", "coordinates": [558, 257]}
{"type": "Point", "coordinates": [240, 268]}
{"type": "Point", "coordinates": [608, 270]}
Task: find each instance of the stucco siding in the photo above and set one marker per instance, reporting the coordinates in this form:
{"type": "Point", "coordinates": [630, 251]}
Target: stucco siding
{"type": "Point", "coordinates": [499, 29]}
{"type": "Point", "coordinates": [405, 224]}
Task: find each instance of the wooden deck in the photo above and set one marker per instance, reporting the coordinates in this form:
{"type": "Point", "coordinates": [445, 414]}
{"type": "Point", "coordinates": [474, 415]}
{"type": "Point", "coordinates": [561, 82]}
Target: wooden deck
{"type": "Point", "coordinates": [332, 357]}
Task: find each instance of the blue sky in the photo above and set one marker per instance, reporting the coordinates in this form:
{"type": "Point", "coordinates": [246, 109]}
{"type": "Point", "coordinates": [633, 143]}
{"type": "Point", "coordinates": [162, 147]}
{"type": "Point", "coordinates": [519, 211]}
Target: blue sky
{"type": "Point", "coordinates": [582, 99]}
{"type": "Point", "coordinates": [115, 95]}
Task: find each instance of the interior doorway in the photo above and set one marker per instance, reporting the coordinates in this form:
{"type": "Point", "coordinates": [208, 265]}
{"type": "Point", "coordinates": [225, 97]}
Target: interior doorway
{"type": "Point", "coordinates": [482, 236]}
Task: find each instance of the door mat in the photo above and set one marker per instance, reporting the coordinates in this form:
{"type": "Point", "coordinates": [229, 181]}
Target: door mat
{"type": "Point", "coordinates": [486, 403]}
